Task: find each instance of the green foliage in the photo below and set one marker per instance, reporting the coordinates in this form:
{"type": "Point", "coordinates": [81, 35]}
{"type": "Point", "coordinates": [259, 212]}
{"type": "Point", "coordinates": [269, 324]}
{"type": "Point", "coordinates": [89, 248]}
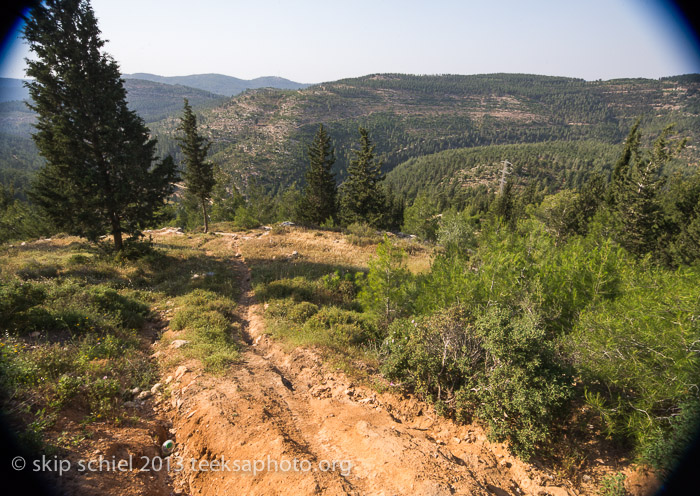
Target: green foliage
{"type": "Point", "coordinates": [101, 174]}
{"type": "Point", "coordinates": [199, 174]}
{"type": "Point", "coordinates": [421, 218]}
{"type": "Point", "coordinates": [638, 352]}
{"type": "Point", "coordinates": [560, 213]}
{"type": "Point", "coordinates": [497, 366]}
{"type": "Point", "coordinates": [613, 485]}
{"type": "Point", "coordinates": [456, 233]}
{"type": "Point", "coordinates": [361, 234]}
{"type": "Point", "coordinates": [525, 389]}
{"type": "Point", "coordinates": [225, 197]}
{"type": "Point", "coordinates": [362, 200]}
{"type": "Point", "coordinates": [319, 202]}
{"type": "Point", "coordinates": [634, 192]}
{"type": "Point", "coordinates": [670, 445]}
{"type": "Point", "coordinates": [386, 290]}
{"type": "Point", "coordinates": [245, 219]}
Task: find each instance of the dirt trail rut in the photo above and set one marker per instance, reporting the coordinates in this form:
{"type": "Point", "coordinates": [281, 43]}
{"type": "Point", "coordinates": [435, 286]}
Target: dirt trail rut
{"type": "Point", "coordinates": [275, 407]}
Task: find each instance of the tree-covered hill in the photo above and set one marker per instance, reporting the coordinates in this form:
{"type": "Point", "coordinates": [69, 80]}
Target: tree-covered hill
{"type": "Point", "coordinates": [156, 101]}
{"type": "Point", "coordinates": [451, 176]}
{"type": "Point", "coordinates": [221, 84]}
{"type": "Point", "coordinates": [261, 135]}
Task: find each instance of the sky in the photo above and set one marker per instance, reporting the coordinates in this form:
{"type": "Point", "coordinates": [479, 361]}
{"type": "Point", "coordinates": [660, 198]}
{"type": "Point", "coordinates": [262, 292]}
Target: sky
{"type": "Point", "coordinates": [314, 41]}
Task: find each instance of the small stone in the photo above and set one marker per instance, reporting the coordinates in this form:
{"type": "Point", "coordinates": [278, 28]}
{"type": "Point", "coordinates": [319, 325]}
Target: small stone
{"type": "Point", "coordinates": [155, 387]}
{"type": "Point", "coordinates": [586, 478]}
{"type": "Point", "coordinates": [135, 391]}
{"type": "Point", "coordinates": [130, 404]}
{"type": "Point", "coordinates": [178, 343]}
{"type": "Point", "coordinates": [179, 372]}
{"type": "Point", "coordinates": [143, 395]}
{"type": "Point", "coordinates": [169, 379]}
{"type": "Point", "coordinates": [237, 255]}
{"type": "Point", "coordinates": [23, 243]}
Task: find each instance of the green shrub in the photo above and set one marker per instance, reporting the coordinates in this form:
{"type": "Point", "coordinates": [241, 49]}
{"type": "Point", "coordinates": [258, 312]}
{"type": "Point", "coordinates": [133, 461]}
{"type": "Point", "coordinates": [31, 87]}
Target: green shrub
{"type": "Point", "coordinates": [15, 299]}
{"type": "Point", "coordinates": [613, 485]}
{"type": "Point", "coordinates": [637, 353]}
{"type": "Point", "coordinates": [35, 270]}
{"type": "Point", "coordinates": [245, 219]}
{"type": "Point", "coordinates": [301, 312]}
{"type": "Point", "coordinates": [361, 234]}
{"type": "Point", "coordinates": [386, 289]}
{"type": "Point", "coordinates": [669, 445]}
{"type": "Point", "coordinates": [498, 366]}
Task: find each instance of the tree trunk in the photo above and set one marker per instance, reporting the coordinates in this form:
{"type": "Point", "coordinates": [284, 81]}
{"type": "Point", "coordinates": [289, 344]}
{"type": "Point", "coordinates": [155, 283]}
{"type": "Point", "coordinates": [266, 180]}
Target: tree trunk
{"type": "Point", "coordinates": [206, 221]}
{"type": "Point", "coordinates": [117, 233]}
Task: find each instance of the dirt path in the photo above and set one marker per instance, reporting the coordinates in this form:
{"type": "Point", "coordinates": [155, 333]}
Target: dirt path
{"type": "Point", "coordinates": [286, 424]}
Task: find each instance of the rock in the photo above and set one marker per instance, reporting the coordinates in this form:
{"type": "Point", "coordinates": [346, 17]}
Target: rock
{"type": "Point", "coordinates": [295, 253]}
{"type": "Point", "coordinates": [157, 354]}
{"type": "Point", "coordinates": [135, 391]}
{"type": "Point", "coordinates": [169, 379]}
{"type": "Point", "coordinates": [155, 387]}
{"type": "Point", "coordinates": [586, 478]}
{"type": "Point", "coordinates": [287, 223]}
{"type": "Point", "coordinates": [237, 255]}
{"type": "Point", "coordinates": [178, 343]}
{"type": "Point", "coordinates": [131, 404]}
{"type": "Point", "coordinates": [143, 395]}
{"type": "Point", "coordinates": [504, 463]}
{"type": "Point", "coordinates": [180, 371]}
{"type": "Point", "coordinates": [23, 243]}
{"type": "Point", "coordinates": [195, 276]}
{"type": "Point", "coordinates": [35, 334]}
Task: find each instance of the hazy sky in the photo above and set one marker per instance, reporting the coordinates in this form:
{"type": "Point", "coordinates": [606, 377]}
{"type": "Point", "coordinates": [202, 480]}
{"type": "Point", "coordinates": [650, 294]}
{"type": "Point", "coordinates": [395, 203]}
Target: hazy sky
{"type": "Point", "coordinates": [314, 41]}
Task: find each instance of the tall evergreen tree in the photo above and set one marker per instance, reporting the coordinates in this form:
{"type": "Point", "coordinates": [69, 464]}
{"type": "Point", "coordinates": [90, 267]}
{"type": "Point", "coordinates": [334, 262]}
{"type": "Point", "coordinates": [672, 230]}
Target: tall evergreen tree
{"type": "Point", "coordinates": [362, 199]}
{"type": "Point", "coordinates": [634, 190]}
{"type": "Point", "coordinates": [199, 173]}
{"type": "Point", "coordinates": [319, 201]}
{"type": "Point", "coordinates": [101, 173]}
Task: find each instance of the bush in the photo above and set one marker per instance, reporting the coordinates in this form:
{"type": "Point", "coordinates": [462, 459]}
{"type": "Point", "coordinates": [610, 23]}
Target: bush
{"type": "Point", "coordinates": [244, 218]}
{"type": "Point", "coordinates": [361, 234]}
{"type": "Point", "coordinates": [16, 298]}
{"type": "Point", "coordinates": [498, 366]}
{"type": "Point", "coordinates": [386, 290]}
{"type": "Point", "coordinates": [669, 446]}
{"type": "Point", "coordinates": [301, 312]}
{"type": "Point", "coordinates": [638, 354]}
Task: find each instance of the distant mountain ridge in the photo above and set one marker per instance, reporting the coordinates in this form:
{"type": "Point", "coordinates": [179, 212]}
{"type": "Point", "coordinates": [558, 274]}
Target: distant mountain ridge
{"type": "Point", "coordinates": [220, 83]}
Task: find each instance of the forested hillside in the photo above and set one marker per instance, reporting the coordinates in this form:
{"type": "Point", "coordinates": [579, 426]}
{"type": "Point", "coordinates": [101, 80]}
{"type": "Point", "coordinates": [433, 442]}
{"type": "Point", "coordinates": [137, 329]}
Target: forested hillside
{"type": "Point", "coordinates": [453, 176]}
{"type": "Point", "coordinates": [261, 135]}
{"type": "Point", "coordinates": [219, 83]}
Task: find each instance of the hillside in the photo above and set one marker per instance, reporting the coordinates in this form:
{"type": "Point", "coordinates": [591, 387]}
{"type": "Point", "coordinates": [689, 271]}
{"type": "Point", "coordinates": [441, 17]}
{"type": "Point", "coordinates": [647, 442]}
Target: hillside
{"type": "Point", "coordinates": [221, 84]}
{"type": "Point", "coordinates": [155, 101]}
{"type": "Point", "coordinates": [451, 175]}
{"type": "Point", "coordinates": [18, 155]}
{"type": "Point", "coordinates": [261, 135]}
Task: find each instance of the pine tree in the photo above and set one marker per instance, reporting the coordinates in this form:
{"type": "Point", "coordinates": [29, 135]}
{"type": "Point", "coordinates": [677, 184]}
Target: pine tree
{"type": "Point", "coordinates": [319, 201]}
{"type": "Point", "coordinates": [199, 174]}
{"type": "Point", "coordinates": [101, 173]}
{"type": "Point", "coordinates": [634, 190]}
{"type": "Point", "coordinates": [362, 199]}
